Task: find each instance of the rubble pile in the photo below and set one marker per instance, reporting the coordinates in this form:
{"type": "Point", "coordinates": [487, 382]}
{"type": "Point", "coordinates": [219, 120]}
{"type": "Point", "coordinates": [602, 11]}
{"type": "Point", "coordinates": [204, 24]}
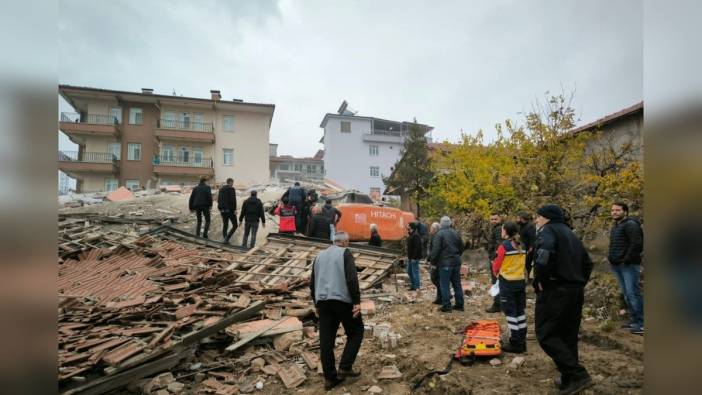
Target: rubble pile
{"type": "Point", "coordinates": [222, 319]}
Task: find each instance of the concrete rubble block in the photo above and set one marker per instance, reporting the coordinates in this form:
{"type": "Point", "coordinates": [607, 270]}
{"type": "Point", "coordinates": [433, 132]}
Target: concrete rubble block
{"type": "Point", "coordinates": [367, 307]}
{"type": "Point", "coordinates": [310, 332]}
{"type": "Point", "coordinates": [409, 297]}
{"type": "Point", "coordinates": [257, 364]}
{"type": "Point", "coordinates": [375, 390]}
{"type": "Point", "coordinates": [386, 299]}
{"type": "Point", "coordinates": [176, 387]}
{"type": "Point", "coordinates": [381, 329]}
{"type": "Point", "coordinates": [162, 392]}
{"type": "Point", "coordinates": [270, 370]}
{"type": "Point", "coordinates": [389, 372]}
{"type": "Point", "coordinates": [283, 342]}
{"type": "Point", "coordinates": [495, 362]}
{"type": "Point", "coordinates": [291, 375]}
{"type": "Point", "coordinates": [516, 362]}
{"type": "Point", "coordinates": [159, 382]}
{"type": "Point", "coordinates": [310, 358]}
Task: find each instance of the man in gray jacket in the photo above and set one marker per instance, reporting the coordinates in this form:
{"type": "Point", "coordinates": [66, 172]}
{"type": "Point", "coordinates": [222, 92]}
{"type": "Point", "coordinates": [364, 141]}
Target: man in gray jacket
{"type": "Point", "coordinates": [446, 250]}
{"type": "Point", "coordinates": [337, 297]}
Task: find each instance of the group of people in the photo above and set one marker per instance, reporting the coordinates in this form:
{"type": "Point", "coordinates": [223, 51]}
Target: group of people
{"type": "Point", "coordinates": [547, 247]}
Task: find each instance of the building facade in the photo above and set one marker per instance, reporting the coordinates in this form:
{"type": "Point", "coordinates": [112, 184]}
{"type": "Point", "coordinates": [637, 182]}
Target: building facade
{"type": "Point", "coordinates": [359, 151]}
{"type": "Point", "coordinates": [142, 139]}
{"type": "Point", "coordinates": [287, 168]}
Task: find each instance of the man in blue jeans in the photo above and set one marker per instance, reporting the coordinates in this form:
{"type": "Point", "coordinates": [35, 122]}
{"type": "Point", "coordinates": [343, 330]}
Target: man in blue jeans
{"type": "Point", "coordinates": [625, 248]}
{"type": "Point", "coordinates": [446, 251]}
{"type": "Point", "coordinates": [414, 254]}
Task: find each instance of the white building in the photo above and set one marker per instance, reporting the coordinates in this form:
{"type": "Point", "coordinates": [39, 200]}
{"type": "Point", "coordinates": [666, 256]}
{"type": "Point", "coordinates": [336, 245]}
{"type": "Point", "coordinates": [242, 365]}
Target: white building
{"type": "Point", "coordinates": [359, 151]}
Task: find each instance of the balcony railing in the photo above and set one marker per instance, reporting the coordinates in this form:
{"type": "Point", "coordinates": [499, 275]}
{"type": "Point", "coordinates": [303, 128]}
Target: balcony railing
{"type": "Point", "coordinates": [91, 157]}
{"type": "Point", "coordinates": [180, 162]}
{"type": "Point", "coordinates": [395, 133]}
{"type": "Point", "coordinates": [98, 119]}
{"type": "Point", "coordinates": [185, 125]}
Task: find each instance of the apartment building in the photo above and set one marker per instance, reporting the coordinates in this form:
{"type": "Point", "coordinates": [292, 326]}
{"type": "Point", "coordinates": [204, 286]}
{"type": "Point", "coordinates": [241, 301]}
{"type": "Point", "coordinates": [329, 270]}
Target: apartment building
{"type": "Point", "coordinates": [288, 168]}
{"type": "Point", "coordinates": [144, 139]}
{"type": "Point", "coordinates": [359, 150]}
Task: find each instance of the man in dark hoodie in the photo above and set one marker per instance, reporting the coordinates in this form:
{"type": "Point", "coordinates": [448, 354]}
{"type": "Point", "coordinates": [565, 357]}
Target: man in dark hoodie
{"type": "Point", "coordinates": [226, 202]}
{"type": "Point", "coordinates": [625, 248]}
{"type": "Point", "coordinates": [494, 240]}
{"type": "Point", "coordinates": [527, 236]}
{"type": "Point", "coordinates": [201, 203]}
{"type": "Point", "coordinates": [319, 225]}
{"type": "Point", "coordinates": [562, 267]}
{"type": "Point", "coordinates": [252, 211]}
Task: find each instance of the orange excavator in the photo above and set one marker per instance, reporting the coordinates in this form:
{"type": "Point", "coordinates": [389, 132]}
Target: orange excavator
{"type": "Point", "coordinates": [358, 212]}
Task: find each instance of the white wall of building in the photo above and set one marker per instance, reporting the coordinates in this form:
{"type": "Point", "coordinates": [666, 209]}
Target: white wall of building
{"type": "Point", "coordinates": [347, 158]}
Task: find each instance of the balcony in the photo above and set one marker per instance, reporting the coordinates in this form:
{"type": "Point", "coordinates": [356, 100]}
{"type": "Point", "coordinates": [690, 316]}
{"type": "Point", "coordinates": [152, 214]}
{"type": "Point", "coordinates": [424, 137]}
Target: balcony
{"type": "Point", "coordinates": [179, 167]}
{"type": "Point", "coordinates": [384, 136]}
{"type": "Point", "coordinates": [78, 126]}
{"type": "Point", "coordinates": [79, 162]}
{"type": "Point", "coordinates": [170, 129]}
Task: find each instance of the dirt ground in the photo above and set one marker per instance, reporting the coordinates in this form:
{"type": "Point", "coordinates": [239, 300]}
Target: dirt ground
{"type": "Point", "coordinates": [614, 359]}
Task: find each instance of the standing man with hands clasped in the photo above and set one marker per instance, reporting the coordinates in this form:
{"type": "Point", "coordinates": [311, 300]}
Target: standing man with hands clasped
{"type": "Point", "coordinates": [337, 297]}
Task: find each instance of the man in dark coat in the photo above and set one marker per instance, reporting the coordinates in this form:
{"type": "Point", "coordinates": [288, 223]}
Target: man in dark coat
{"type": "Point", "coordinates": [527, 236]}
{"type": "Point", "coordinates": [296, 197]}
{"type": "Point", "coordinates": [375, 240]}
{"type": "Point", "coordinates": [252, 212]}
{"type": "Point", "coordinates": [415, 251]}
{"type": "Point", "coordinates": [562, 267]}
{"type": "Point", "coordinates": [319, 225]}
{"type": "Point", "coordinates": [201, 203]}
{"type": "Point", "coordinates": [625, 248]}
{"type": "Point", "coordinates": [226, 203]}
{"type": "Point", "coordinates": [333, 214]}
{"type": "Point", "coordinates": [446, 250]}
{"type": "Point", "coordinates": [494, 240]}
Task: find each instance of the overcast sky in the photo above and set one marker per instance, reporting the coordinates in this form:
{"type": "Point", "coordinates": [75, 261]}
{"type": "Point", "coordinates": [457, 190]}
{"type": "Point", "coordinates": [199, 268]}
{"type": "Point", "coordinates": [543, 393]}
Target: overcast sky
{"type": "Point", "coordinates": [451, 64]}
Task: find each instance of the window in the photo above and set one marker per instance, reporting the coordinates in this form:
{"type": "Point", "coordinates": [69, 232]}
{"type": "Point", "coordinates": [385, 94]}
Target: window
{"type": "Point", "coordinates": [199, 121]}
{"type": "Point", "coordinates": [197, 156]}
{"type": "Point", "coordinates": [373, 150]}
{"type": "Point", "coordinates": [375, 171]}
{"type": "Point", "coordinates": [228, 156]}
{"type": "Point", "coordinates": [228, 123]}
{"type": "Point", "coordinates": [114, 148]}
{"type": "Point", "coordinates": [167, 153]}
{"type": "Point", "coordinates": [311, 169]}
{"type": "Point", "coordinates": [345, 127]}
{"type": "Point", "coordinates": [110, 184]}
{"type": "Point", "coordinates": [184, 155]}
{"type": "Point", "coordinates": [131, 184]}
{"type": "Point", "coordinates": [298, 167]}
{"type": "Point", "coordinates": [116, 114]}
{"type": "Point", "coordinates": [134, 151]}
{"type": "Point", "coordinates": [136, 117]}
{"type": "Point", "coordinates": [283, 166]}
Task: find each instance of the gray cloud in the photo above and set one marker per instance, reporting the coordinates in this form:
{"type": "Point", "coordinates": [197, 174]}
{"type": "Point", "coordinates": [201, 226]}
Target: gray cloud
{"type": "Point", "coordinates": [453, 64]}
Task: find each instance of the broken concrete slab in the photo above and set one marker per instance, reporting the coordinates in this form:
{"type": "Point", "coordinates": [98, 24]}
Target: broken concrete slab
{"type": "Point", "coordinates": [291, 375]}
{"type": "Point", "coordinates": [287, 324]}
{"type": "Point", "coordinates": [283, 342]}
{"type": "Point", "coordinates": [375, 390]}
{"type": "Point", "coordinates": [516, 362]}
{"type": "Point", "coordinates": [389, 372]}
{"type": "Point", "coordinates": [495, 362]}
{"type": "Point", "coordinates": [310, 358]}
{"type": "Point", "coordinates": [367, 307]}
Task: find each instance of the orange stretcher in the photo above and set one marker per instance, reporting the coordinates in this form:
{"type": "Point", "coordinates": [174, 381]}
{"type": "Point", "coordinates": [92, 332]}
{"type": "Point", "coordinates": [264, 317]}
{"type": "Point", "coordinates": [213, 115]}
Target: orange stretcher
{"type": "Point", "coordinates": [480, 339]}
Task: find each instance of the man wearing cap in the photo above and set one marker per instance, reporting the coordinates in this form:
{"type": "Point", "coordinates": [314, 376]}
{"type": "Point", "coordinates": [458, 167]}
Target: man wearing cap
{"type": "Point", "coordinates": [562, 267]}
{"type": "Point", "coordinates": [446, 250]}
{"type": "Point", "coordinates": [337, 297]}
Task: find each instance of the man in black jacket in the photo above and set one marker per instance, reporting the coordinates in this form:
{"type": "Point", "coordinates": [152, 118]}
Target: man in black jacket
{"type": "Point", "coordinates": [333, 214]}
{"type": "Point", "coordinates": [252, 212]}
{"type": "Point", "coordinates": [527, 236]}
{"type": "Point", "coordinates": [495, 238]}
{"type": "Point", "coordinates": [296, 196]}
{"type": "Point", "coordinates": [201, 203]}
{"type": "Point", "coordinates": [226, 202]}
{"type": "Point", "coordinates": [446, 250]}
{"type": "Point", "coordinates": [414, 254]}
{"type": "Point", "coordinates": [625, 248]}
{"type": "Point", "coordinates": [562, 267]}
{"type": "Point", "coordinates": [319, 225]}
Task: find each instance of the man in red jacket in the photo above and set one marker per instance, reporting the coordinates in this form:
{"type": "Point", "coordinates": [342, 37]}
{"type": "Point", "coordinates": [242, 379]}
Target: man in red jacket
{"type": "Point", "coordinates": [287, 213]}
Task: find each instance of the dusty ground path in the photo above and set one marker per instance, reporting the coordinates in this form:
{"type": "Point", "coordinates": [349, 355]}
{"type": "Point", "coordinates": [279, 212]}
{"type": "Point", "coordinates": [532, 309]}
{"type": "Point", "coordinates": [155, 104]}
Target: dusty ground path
{"type": "Point", "coordinates": [614, 359]}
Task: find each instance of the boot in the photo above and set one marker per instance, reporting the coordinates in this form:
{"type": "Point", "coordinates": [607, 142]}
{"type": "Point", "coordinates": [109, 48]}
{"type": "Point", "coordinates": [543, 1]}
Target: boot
{"type": "Point", "coordinates": [349, 373]}
{"type": "Point", "coordinates": [495, 308]}
{"type": "Point", "coordinates": [514, 348]}
{"type": "Point", "coordinates": [577, 385]}
{"type": "Point", "coordinates": [331, 383]}
{"type": "Point", "coordinates": [437, 301]}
